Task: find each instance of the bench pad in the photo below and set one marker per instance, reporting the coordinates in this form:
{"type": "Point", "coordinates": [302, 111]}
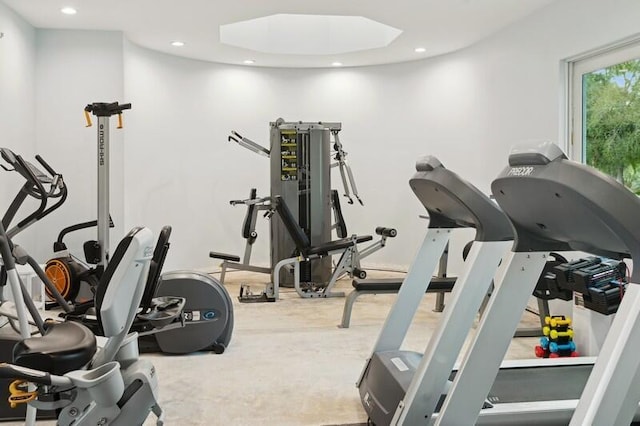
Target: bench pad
{"type": "Point", "coordinates": [393, 284]}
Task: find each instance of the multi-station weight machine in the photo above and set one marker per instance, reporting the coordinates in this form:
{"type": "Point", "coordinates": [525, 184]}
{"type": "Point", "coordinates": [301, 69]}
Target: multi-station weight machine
{"type": "Point", "coordinates": [302, 155]}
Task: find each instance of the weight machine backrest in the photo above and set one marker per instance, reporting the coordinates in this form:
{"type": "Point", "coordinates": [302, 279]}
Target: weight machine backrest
{"type": "Point", "coordinates": [155, 268]}
{"type": "Point", "coordinates": [296, 232]}
{"type": "Point", "coordinates": [118, 287]}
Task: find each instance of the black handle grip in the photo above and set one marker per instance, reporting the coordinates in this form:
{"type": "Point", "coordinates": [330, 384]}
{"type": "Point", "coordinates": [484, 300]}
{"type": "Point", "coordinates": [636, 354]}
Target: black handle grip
{"type": "Point", "coordinates": [9, 371]}
{"type": "Point", "coordinates": [8, 156]}
{"type": "Point", "coordinates": [46, 165]}
{"type": "Point", "coordinates": [103, 109]}
{"type": "Point", "coordinates": [28, 173]}
{"type": "Point", "coordinates": [386, 232]}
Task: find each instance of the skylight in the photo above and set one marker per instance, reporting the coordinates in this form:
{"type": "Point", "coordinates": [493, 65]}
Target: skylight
{"type": "Point", "coordinates": [308, 34]}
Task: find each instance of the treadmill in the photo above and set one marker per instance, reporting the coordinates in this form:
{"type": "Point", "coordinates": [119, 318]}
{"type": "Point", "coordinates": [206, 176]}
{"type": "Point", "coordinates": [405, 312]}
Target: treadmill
{"type": "Point", "coordinates": [556, 204]}
{"type": "Point", "coordinates": [405, 387]}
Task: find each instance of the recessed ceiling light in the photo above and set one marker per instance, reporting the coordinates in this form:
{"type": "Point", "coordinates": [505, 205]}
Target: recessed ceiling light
{"type": "Point", "coordinates": [249, 61]}
{"type": "Point", "coordinates": [68, 11]}
{"type": "Point", "coordinates": [336, 64]}
{"type": "Point", "coordinates": [419, 50]}
{"type": "Point", "coordinates": [177, 43]}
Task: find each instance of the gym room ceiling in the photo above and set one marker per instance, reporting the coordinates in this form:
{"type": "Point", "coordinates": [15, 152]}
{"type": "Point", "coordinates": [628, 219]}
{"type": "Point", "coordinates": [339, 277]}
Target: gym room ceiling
{"type": "Point", "coordinates": [279, 33]}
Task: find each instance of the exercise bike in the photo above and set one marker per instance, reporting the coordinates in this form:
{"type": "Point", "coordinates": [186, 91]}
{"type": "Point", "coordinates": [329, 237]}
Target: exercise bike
{"type": "Point", "coordinates": [65, 370]}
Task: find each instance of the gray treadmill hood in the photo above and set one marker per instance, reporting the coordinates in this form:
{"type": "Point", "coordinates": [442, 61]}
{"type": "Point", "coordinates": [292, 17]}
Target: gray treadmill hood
{"type": "Point", "coordinates": [453, 202]}
{"type": "Point", "coordinates": [564, 205]}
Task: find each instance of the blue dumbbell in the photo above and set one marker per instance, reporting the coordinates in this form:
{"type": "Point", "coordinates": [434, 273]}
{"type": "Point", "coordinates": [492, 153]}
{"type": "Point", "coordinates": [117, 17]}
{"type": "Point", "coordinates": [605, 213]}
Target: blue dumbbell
{"type": "Point", "coordinates": [544, 343]}
{"type": "Point", "coordinates": [554, 347]}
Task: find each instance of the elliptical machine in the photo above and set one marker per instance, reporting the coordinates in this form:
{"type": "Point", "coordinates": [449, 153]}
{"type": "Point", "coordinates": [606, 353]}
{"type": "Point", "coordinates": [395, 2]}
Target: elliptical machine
{"type": "Point", "coordinates": [207, 319]}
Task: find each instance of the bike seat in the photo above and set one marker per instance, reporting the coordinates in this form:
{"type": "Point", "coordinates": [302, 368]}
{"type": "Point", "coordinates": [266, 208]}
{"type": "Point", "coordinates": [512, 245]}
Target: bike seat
{"type": "Point", "coordinates": [64, 347]}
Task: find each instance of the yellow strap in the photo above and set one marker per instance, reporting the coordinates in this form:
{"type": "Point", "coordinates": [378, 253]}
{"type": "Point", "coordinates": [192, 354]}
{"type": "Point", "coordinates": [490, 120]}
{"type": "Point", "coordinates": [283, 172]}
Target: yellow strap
{"type": "Point", "coordinates": [18, 394]}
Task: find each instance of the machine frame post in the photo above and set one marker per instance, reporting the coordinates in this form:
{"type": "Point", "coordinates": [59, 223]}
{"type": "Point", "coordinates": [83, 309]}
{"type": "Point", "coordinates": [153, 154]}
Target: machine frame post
{"type": "Point", "coordinates": [515, 282]}
{"type": "Point", "coordinates": [611, 394]}
{"type": "Point", "coordinates": [103, 189]}
{"type": "Point", "coordinates": [431, 375]}
{"type": "Point", "coordinates": [411, 293]}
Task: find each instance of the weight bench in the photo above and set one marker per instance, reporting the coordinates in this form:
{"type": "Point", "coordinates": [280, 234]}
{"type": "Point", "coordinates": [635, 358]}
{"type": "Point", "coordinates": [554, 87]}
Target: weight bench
{"type": "Point", "coordinates": [346, 247]}
{"type": "Point", "coordinates": [438, 285]}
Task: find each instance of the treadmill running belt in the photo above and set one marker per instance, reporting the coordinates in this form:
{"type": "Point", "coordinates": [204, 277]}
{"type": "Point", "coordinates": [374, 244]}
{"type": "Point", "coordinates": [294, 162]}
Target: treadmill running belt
{"type": "Point", "coordinates": [529, 384]}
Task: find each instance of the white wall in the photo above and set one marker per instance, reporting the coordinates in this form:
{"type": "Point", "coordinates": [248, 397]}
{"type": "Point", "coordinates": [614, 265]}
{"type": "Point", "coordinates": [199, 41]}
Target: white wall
{"type": "Point", "coordinates": [181, 170]}
{"type": "Point", "coordinates": [75, 68]}
{"type": "Point", "coordinates": [467, 108]}
{"type": "Point", "coordinates": [17, 100]}
{"type": "Point", "coordinates": [177, 168]}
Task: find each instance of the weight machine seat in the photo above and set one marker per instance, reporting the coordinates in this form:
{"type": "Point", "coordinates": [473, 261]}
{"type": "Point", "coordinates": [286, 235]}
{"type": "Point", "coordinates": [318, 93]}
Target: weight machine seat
{"type": "Point", "coordinates": [324, 249]}
{"type": "Point", "coordinates": [437, 284]}
{"type": "Point", "coordinates": [65, 347]}
{"type": "Point", "coordinates": [224, 256]}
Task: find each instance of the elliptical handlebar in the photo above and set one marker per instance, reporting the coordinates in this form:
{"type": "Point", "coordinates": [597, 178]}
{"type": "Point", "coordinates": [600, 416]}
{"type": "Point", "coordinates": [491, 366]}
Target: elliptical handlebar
{"type": "Point", "coordinates": [36, 180]}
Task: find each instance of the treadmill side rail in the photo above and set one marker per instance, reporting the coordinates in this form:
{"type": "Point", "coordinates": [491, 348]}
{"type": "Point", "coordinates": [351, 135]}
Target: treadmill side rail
{"type": "Point", "coordinates": [611, 395]}
{"type": "Point", "coordinates": [431, 376]}
{"type": "Point", "coordinates": [515, 283]}
{"type": "Point", "coordinates": [411, 293]}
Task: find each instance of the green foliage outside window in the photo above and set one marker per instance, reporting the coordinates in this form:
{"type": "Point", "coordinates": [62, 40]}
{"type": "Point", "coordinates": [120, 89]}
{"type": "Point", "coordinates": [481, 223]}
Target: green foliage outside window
{"type": "Point", "coordinates": [612, 121]}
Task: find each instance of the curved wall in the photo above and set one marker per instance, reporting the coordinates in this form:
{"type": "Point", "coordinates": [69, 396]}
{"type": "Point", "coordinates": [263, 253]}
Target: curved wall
{"type": "Point", "coordinates": [467, 108]}
{"type": "Point", "coordinates": [17, 100]}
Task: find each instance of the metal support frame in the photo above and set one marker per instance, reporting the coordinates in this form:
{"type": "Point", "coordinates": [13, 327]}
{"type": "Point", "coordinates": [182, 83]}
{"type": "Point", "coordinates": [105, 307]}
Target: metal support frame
{"type": "Point", "coordinates": [348, 181]}
{"type": "Point", "coordinates": [103, 189]}
{"type": "Point", "coordinates": [514, 284]}
{"type": "Point", "coordinates": [410, 295]}
{"type": "Point", "coordinates": [351, 298]}
{"type": "Point", "coordinates": [227, 264]}
{"type": "Point", "coordinates": [431, 376]}
{"type": "Point", "coordinates": [349, 260]}
{"type": "Point", "coordinates": [543, 311]}
{"type": "Point", "coordinates": [355, 256]}
{"type": "Point", "coordinates": [612, 393]}
{"type": "Point", "coordinates": [442, 272]}
{"type": "Point", "coordinates": [372, 248]}
{"type": "Point", "coordinates": [305, 187]}
{"type": "Point", "coordinates": [295, 261]}
{"type": "Point", "coordinates": [326, 290]}
{"type": "Point", "coordinates": [245, 265]}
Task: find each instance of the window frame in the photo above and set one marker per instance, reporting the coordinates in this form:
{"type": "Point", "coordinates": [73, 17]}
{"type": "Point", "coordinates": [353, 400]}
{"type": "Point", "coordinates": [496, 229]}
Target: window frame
{"type": "Point", "coordinates": [574, 69]}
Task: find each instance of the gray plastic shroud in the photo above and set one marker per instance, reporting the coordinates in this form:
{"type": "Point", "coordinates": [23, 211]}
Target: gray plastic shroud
{"type": "Point", "coordinates": [527, 154]}
{"type": "Point", "coordinates": [452, 202]}
{"type": "Point", "coordinates": [557, 204]}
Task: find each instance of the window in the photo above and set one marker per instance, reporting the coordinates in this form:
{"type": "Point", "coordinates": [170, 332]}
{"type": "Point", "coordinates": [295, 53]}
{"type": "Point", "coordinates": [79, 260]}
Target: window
{"type": "Point", "coordinates": [605, 113]}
